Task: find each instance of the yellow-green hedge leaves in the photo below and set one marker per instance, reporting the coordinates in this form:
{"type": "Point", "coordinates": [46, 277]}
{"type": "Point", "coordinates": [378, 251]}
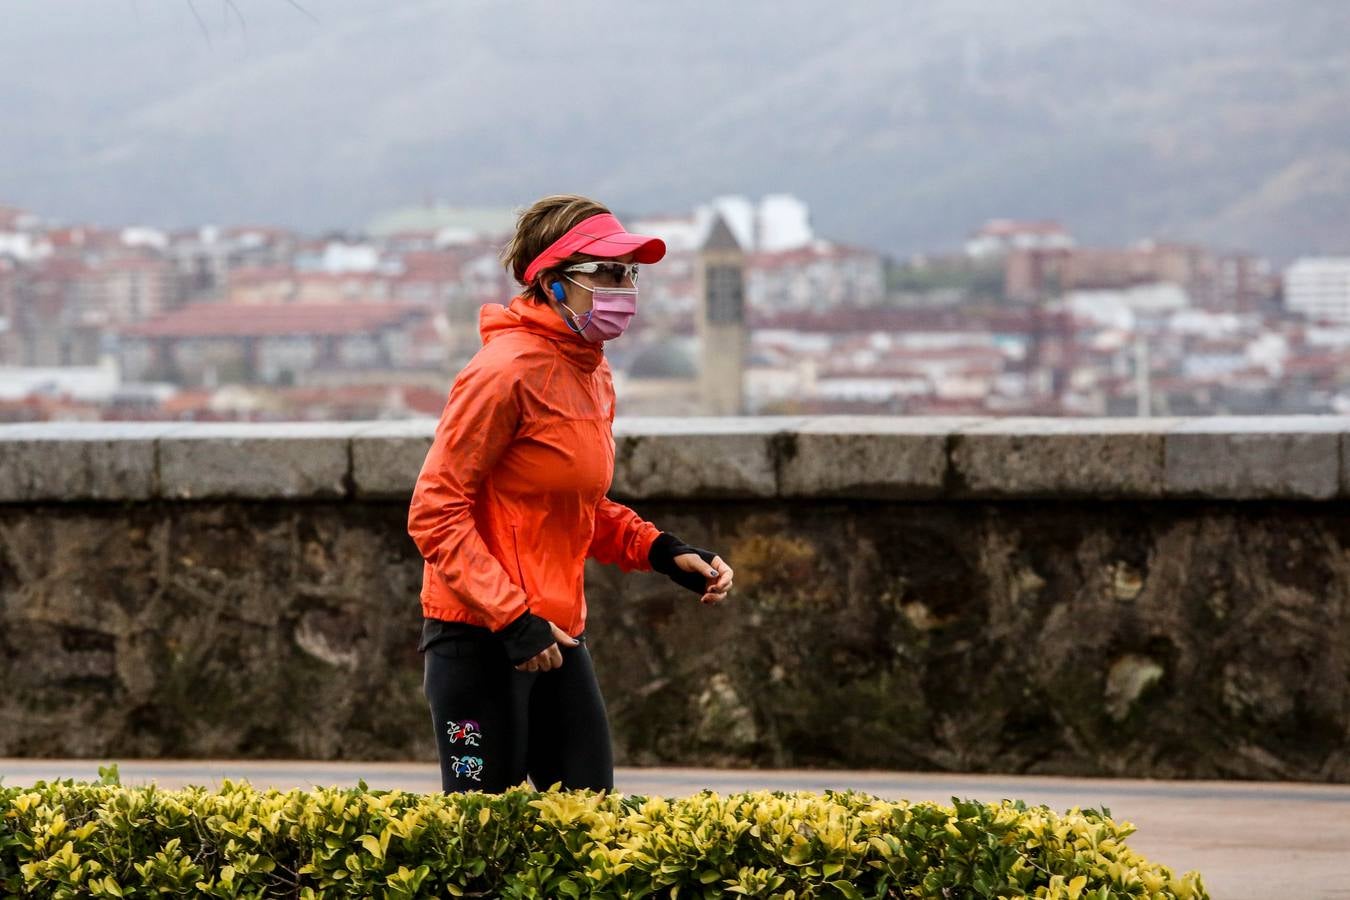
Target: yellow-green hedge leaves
{"type": "Point", "coordinates": [103, 840]}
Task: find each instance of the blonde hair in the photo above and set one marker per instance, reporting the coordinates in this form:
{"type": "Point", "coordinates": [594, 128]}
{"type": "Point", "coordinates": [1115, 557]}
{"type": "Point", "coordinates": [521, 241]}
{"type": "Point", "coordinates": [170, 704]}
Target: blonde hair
{"type": "Point", "coordinates": [538, 226]}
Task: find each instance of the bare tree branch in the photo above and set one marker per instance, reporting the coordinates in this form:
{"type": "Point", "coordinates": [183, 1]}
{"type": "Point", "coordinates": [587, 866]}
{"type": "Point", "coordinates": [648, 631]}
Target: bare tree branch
{"type": "Point", "coordinates": [305, 11]}
{"type": "Point", "coordinates": [196, 15]}
{"type": "Point", "coordinates": [228, 6]}
{"type": "Point", "coordinates": [243, 26]}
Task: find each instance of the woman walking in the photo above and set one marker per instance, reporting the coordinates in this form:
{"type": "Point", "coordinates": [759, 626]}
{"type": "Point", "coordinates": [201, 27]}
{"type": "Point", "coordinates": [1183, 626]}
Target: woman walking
{"type": "Point", "coordinates": [511, 502]}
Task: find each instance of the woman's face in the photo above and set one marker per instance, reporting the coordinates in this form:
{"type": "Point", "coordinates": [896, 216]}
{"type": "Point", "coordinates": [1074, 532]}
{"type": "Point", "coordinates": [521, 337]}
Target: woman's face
{"type": "Point", "coordinates": [579, 299]}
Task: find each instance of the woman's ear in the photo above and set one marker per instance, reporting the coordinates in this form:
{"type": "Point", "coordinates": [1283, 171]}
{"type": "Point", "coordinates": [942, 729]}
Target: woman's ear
{"type": "Point", "coordinates": [554, 286]}
{"type": "Point", "coordinates": [540, 287]}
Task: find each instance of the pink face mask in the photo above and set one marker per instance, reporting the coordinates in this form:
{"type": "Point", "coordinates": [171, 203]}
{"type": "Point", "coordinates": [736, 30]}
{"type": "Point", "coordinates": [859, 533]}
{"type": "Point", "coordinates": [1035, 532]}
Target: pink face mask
{"type": "Point", "coordinates": [611, 311]}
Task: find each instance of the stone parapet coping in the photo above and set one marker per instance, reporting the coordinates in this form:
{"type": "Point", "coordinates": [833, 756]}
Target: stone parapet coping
{"type": "Point", "coordinates": [842, 457]}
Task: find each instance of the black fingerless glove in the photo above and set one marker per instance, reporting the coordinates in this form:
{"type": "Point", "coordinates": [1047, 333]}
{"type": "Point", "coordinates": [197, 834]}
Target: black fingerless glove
{"type": "Point", "coordinates": [662, 557]}
{"type": "Point", "coordinates": [526, 637]}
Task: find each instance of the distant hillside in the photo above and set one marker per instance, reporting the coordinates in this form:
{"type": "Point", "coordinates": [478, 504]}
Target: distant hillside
{"type": "Point", "coordinates": [903, 125]}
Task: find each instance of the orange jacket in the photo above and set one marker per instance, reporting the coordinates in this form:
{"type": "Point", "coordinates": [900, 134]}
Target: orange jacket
{"type": "Point", "coordinates": [511, 500]}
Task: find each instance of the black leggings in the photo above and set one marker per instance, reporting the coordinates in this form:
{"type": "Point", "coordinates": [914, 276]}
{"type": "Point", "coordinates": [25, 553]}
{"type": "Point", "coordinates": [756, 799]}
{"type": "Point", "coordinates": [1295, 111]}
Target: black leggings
{"type": "Point", "coordinates": [495, 725]}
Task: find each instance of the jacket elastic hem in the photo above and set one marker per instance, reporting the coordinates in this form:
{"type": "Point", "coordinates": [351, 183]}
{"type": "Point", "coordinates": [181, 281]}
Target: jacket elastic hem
{"type": "Point", "coordinates": [459, 614]}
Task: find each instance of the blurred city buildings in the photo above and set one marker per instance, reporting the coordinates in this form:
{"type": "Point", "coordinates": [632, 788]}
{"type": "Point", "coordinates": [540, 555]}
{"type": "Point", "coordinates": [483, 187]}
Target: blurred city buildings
{"type": "Point", "coordinates": [751, 312]}
{"type": "Point", "coordinates": [1319, 288]}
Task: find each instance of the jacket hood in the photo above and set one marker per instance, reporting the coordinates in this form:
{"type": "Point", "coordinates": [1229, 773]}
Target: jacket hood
{"type": "Point", "coordinates": [522, 314]}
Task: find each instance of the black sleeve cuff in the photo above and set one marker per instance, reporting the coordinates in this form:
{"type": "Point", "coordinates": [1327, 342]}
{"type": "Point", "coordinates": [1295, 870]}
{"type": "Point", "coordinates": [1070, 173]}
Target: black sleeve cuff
{"type": "Point", "coordinates": [663, 552]}
{"type": "Point", "coordinates": [662, 557]}
{"type": "Point", "coordinates": [526, 637]}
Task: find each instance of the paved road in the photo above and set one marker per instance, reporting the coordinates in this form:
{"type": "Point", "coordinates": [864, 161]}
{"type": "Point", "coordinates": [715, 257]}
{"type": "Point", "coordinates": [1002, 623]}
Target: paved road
{"type": "Point", "coordinates": [1251, 841]}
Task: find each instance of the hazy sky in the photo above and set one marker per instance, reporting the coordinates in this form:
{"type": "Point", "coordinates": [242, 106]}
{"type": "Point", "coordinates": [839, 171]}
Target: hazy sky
{"type": "Point", "coordinates": [903, 125]}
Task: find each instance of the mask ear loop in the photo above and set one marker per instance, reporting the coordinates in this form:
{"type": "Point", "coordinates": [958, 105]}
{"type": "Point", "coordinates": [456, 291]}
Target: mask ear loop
{"type": "Point", "coordinates": [572, 322]}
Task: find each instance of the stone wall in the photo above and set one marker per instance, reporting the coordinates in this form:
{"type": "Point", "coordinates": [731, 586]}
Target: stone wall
{"type": "Point", "coordinates": [1160, 597]}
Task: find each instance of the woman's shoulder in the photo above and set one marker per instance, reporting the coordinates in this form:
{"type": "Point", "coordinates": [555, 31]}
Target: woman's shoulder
{"type": "Point", "coordinates": [510, 358]}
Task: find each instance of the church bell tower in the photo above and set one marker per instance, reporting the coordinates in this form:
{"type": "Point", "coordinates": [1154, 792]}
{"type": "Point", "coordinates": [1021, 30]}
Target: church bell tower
{"type": "Point", "coordinates": [721, 322]}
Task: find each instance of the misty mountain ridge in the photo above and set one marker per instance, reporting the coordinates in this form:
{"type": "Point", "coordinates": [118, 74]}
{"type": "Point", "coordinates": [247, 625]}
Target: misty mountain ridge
{"type": "Point", "coordinates": [902, 128]}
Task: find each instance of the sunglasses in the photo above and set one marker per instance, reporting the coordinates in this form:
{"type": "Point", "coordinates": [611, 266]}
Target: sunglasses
{"type": "Point", "coordinates": [611, 273]}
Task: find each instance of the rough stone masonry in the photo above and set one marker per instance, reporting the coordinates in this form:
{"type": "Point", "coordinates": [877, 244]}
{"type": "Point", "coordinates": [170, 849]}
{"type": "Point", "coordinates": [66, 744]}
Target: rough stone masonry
{"type": "Point", "coordinates": [1147, 597]}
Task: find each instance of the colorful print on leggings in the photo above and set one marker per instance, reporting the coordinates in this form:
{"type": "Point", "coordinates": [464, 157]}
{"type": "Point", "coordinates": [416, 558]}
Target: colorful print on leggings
{"type": "Point", "coordinates": [468, 730]}
{"type": "Point", "coordinates": [467, 767]}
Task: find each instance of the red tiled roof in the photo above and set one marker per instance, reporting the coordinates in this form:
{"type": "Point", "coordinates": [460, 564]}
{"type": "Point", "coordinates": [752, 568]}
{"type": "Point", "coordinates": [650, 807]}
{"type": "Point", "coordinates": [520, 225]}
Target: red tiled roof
{"type": "Point", "coordinates": [186, 401]}
{"type": "Point", "coordinates": [249, 320]}
{"type": "Point", "coordinates": [259, 274]}
{"type": "Point", "coordinates": [844, 318]}
{"type": "Point", "coordinates": [1005, 227]}
{"type": "Point", "coordinates": [57, 267]}
{"type": "Point", "coordinates": [132, 263]}
{"type": "Point", "coordinates": [417, 397]}
{"type": "Point", "coordinates": [272, 231]}
{"type": "Point", "coordinates": [430, 265]}
{"type": "Point", "coordinates": [898, 369]}
{"type": "Point", "coordinates": [805, 255]}
{"type": "Point", "coordinates": [1314, 362]}
{"type": "Point", "coordinates": [10, 215]}
{"type": "Point", "coordinates": [68, 236]}
{"type": "Point", "coordinates": [337, 277]}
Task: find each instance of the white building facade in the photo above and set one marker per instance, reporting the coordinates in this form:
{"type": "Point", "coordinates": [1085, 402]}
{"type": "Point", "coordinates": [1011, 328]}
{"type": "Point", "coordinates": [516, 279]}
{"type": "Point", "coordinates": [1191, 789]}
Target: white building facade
{"type": "Point", "coordinates": [1319, 288]}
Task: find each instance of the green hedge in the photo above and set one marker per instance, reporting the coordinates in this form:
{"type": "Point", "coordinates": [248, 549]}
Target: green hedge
{"type": "Point", "coordinates": [65, 839]}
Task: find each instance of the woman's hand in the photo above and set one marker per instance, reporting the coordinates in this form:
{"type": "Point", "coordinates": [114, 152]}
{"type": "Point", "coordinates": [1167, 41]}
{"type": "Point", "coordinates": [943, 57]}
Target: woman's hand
{"type": "Point", "coordinates": [551, 658]}
{"type": "Point", "coordinates": [717, 572]}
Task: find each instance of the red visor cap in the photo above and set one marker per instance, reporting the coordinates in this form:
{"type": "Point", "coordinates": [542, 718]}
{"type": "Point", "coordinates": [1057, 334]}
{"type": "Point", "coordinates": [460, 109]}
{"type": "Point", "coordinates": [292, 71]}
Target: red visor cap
{"type": "Point", "coordinates": [601, 236]}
